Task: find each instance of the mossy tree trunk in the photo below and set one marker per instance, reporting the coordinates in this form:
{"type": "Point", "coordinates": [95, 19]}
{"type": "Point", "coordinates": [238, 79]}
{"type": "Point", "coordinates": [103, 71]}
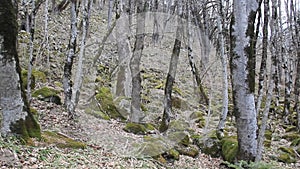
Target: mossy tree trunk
{"type": "Point", "coordinates": [242, 80]}
{"type": "Point", "coordinates": [168, 114]}
{"type": "Point", "coordinates": [16, 116]}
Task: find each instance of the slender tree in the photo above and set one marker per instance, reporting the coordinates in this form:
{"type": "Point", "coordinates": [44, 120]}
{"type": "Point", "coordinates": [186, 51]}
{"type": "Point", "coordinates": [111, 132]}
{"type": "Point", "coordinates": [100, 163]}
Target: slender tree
{"type": "Point", "coordinates": [242, 82]}
{"type": "Point", "coordinates": [67, 82]}
{"type": "Point", "coordinates": [168, 114]}
{"type": "Point", "coordinates": [136, 114]}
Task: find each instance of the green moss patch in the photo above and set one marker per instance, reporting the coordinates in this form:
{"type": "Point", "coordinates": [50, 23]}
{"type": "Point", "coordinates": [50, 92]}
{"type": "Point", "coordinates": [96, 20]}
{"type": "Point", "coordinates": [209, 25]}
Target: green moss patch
{"type": "Point", "coordinates": [47, 94]}
{"type": "Point", "coordinates": [229, 148]}
{"type": "Point", "coordinates": [291, 136]}
{"type": "Point", "coordinates": [24, 74]}
{"type": "Point", "coordinates": [138, 128]}
{"type": "Point", "coordinates": [286, 158]}
{"type": "Point", "coordinates": [105, 99]}
{"type": "Point", "coordinates": [295, 142]}
{"type": "Point", "coordinates": [191, 150]}
{"type": "Point", "coordinates": [287, 150]}
{"type": "Point", "coordinates": [61, 141]}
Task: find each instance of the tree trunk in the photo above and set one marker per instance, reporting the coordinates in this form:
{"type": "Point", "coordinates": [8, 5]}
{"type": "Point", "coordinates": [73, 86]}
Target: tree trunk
{"type": "Point", "coordinates": [261, 135]}
{"type": "Point", "coordinates": [67, 82]}
{"type": "Point", "coordinates": [243, 92]}
{"type": "Point", "coordinates": [14, 109]}
{"type": "Point", "coordinates": [263, 64]}
{"type": "Point", "coordinates": [135, 109]}
{"type": "Point", "coordinates": [223, 116]}
{"type": "Point", "coordinates": [168, 114]}
{"type": "Point", "coordinates": [86, 8]}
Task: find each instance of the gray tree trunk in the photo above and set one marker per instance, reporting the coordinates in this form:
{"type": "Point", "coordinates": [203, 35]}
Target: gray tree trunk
{"type": "Point", "coordinates": [243, 93]}
{"type": "Point", "coordinates": [168, 114]}
{"type": "Point", "coordinates": [86, 8]}
{"type": "Point", "coordinates": [135, 109]}
{"type": "Point", "coordinates": [67, 82]}
{"type": "Point", "coordinates": [261, 135]}
{"type": "Point", "coordinates": [14, 108]}
{"type": "Point", "coordinates": [223, 116]}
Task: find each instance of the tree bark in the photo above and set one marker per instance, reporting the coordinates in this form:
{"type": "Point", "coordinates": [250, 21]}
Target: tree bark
{"type": "Point", "coordinates": [223, 116]}
{"type": "Point", "coordinates": [243, 92]}
{"type": "Point", "coordinates": [135, 109]}
{"type": "Point", "coordinates": [14, 109]}
{"type": "Point", "coordinates": [168, 114]}
{"type": "Point", "coordinates": [67, 82]}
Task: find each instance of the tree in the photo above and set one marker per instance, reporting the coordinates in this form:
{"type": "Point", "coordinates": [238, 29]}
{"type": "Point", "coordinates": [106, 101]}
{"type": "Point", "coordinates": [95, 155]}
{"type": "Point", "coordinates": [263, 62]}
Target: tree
{"type": "Point", "coordinates": [168, 114]}
{"type": "Point", "coordinates": [243, 91]}
{"type": "Point", "coordinates": [17, 118]}
{"type": "Point", "coordinates": [135, 108]}
{"type": "Point", "coordinates": [67, 82]}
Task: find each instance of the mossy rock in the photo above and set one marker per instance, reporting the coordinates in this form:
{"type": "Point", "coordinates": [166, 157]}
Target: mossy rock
{"type": "Point", "coordinates": [152, 147]}
{"type": "Point", "coordinates": [172, 154]}
{"type": "Point", "coordinates": [179, 125]}
{"type": "Point", "coordinates": [198, 117]}
{"type": "Point", "coordinates": [291, 136]}
{"type": "Point", "coordinates": [229, 148]}
{"type": "Point", "coordinates": [39, 76]}
{"type": "Point", "coordinates": [98, 114]}
{"type": "Point", "coordinates": [179, 137]}
{"type": "Point", "coordinates": [210, 145]}
{"type": "Point", "coordinates": [287, 150]}
{"type": "Point", "coordinates": [138, 128]}
{"type": "Point", "coordinates": [295, 142]}
{"type": "Point", "coordinates": [61, 141]}
{"type": "Point", "coordinates": [104, 97]}
{"type": "Point", "coordinates": [286, 158]}
{"type": "Point", "coordinates": [191, 150]}
{"type": "Point", "coordinates": [24, 74]}
{"type": "Point", "coordinates": [48, 95]}
{"type": "Point", "coordinates": [196, 139]}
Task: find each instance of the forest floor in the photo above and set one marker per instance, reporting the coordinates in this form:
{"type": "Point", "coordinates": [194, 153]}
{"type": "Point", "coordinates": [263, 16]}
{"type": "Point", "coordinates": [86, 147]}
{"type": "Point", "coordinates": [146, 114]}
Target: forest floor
{"type": "Point", "coordinates": [96, 154]}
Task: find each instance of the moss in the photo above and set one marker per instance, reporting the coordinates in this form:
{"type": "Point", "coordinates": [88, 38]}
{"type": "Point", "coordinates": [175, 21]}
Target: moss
{"type": "Point", "coordinates": [291, 136]}
{"type": "Point", "coordinates": [47, 94]}
{"type": "Point", "coordinates": [198, 117]}
{"type": "Point", "coordinates": [39, 76]}
{"type": "Point", "coordinates": [295, 142]}
{"type": "Point", "coordinates": [61, 141]}
{"type": "Point", "coordinates": [291, 129]}
{"type": "Point", "coordinates": [179, 137]}
{"type": "Point", "coordinates": [173, 154]}
{"type": "Point", "coordinates": [268, 134]}
{"type": "Point", "coordinates": [138, 128]}
{"type": "Point", "coordinates": [196, 139]}
{"type": "Point", "coordinates": [24, 74]}
{"type": "Point", "coordinates": [191, 150]}
{"type": "Point", "coordinates": [267, 143]}
{"type": "Point", "coordinates": [286, 158]}
{"type": "Point", "coordinates": [176, 90]}
{"type": "Point", "coordinates": [289, 151]}
{"type": "Point", "coordinates": [159, 86]}
{"type": "Point", "coordinates": [229, 148]}
{"type": "Point", "coordinates": [58, 84]}
{"type": "Point", "coordinates": [104, 97]}
{"type": "Point", "coordinates": [179, 125]}
{"type": "Point", "coordinates": [210, 145]}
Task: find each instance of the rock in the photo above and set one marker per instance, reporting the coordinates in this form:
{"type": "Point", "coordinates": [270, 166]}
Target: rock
{"type": "Point", "coordinates": [198, 117]}
{"type": "Point", "coordinates": [229, 148]}
{"type": "Point", "coordinates": [179, 137]}
{"type": "Point", "coordinates": [210, 145]}
{"type": "Point", "coordinates": [190, 150]}
{"type": "Point", "coordinates": [61, 140]}
{"type": "Point", "coordinates": [104, 97]}
{"type": "Point", "coordinates": [138, 128]}
{"type": "Point", "coordinates": [24, 74]}
{"type": "Point", "coordinates": [48, 95]}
